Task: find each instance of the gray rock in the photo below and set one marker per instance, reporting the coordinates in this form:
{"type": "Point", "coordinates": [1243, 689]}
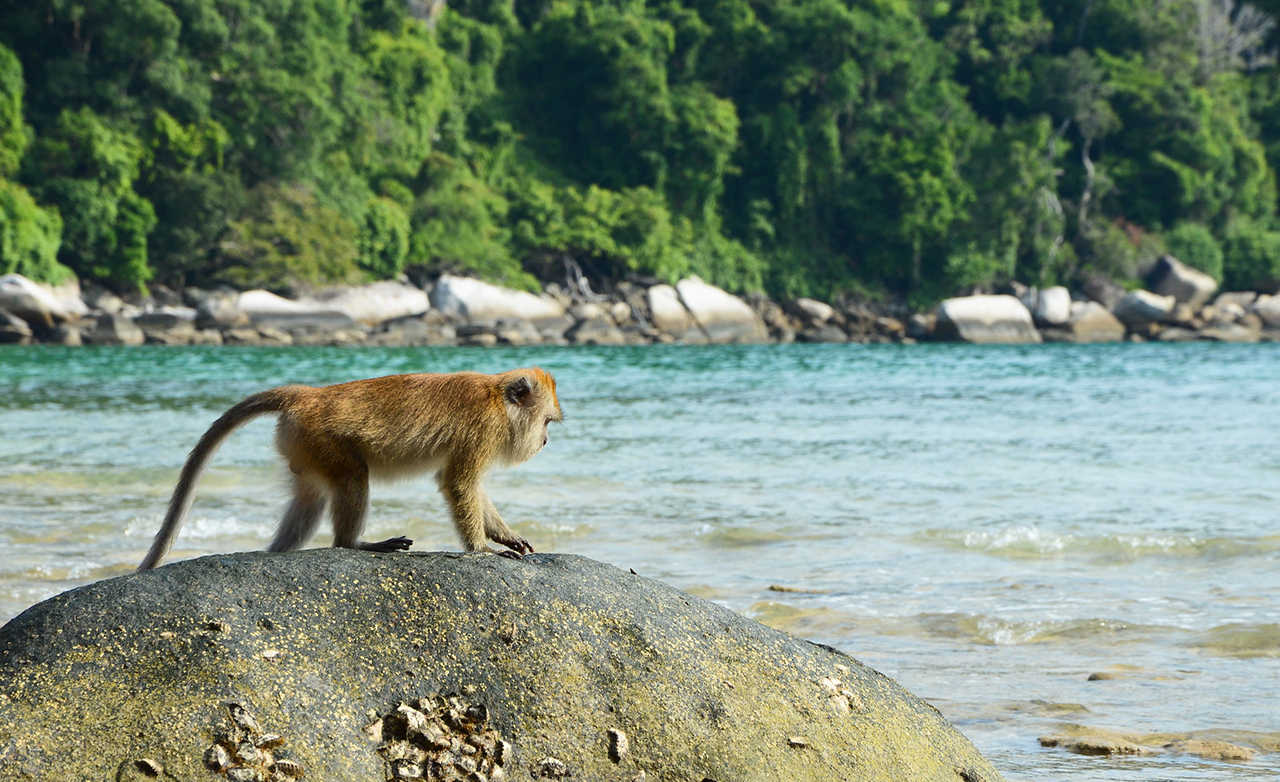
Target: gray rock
{"type": "Point", "coordinates": [600, 330]}
{"type": "Point", "coordinates": [41, 306]}
{"type": "Point", "coordinates": [1091, 322]}
{"type": "Point", "coordinates": [722, 316]}
{"type": "Point", "coordinates": [414, 331]}
{"type": "Point", "coordinates": [549, 652]}
{"type": "Point", "coordinates": [1177, 334]}
{"type": "Point", "coordinates": [112, 329]}
{"type": "Point", "coordinates": [1140, 308]}
{"type": "Point", "coordinates": [168, 325]}
{"type": "Point", "coordinates": [1171, 277]}
{"type": "Point", "coordinates": [823, 333]}
{"type": "Point", "coordinates": [816, 312]}
{"type": "Point", "coordinates": [219, 309]}
{"type": "Point", "coordinates": [985, 319]}
{"type": "Point", "coordinates": [1268, 309]}
{"type": "Point", "coordinates": [13, 330]}
{"type": "Point", "coordinates": [517, 332]}
{"type": "Point", "coordinates": [1242, 299]}
{"type": "Point", "coordinates": [921, 325]}
{"type": "Point", "coordinates": [1103, 290]}
{"type": "Point", "coordinates": [1232, 332]}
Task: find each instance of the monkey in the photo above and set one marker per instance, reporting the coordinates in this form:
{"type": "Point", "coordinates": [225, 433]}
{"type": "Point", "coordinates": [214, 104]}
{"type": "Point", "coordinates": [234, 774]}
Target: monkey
{"type": "Point", "coordinates": [334, 438]}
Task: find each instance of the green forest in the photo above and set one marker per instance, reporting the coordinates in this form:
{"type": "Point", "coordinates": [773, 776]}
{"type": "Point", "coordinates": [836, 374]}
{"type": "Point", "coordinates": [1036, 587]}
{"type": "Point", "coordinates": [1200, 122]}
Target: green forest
{"type": "Point", "coordinates": [903, 148]}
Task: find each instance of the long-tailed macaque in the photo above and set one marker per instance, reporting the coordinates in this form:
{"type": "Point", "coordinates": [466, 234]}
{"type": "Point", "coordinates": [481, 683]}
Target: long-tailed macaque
{"type": "Point", "coordinates": [336, 437]}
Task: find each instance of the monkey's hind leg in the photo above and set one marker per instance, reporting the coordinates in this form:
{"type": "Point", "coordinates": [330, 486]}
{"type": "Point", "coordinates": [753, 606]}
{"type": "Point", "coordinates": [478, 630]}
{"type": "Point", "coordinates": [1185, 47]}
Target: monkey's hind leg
{"type": "Point", "coordinates": [300, 517]}
{"type": "Point", "coordinates": [350, 503]}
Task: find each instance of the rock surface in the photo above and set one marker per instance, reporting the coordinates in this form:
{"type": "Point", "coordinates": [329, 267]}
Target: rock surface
{"type": "Point", "coordinates": [376, 302]}
{"type": "Point", "coordinates": [39, 305]}
{"type": "Point", "coordinates": [471, 299]}
{"type": "Point", "coordinates": [985, 319]}
{"type": "Point", "coordinates": [267, 310]}
{"type": "Point", "coordinates": [357, 666]}
{"type": "Point", "coordinates": [1171, 277]}
{"type": "Point", "coordinates": [1091, 322]}
{"type": "Point", "coordinates": [721, 315]}
{"type": "Point", "coordinates": [1139, 308]}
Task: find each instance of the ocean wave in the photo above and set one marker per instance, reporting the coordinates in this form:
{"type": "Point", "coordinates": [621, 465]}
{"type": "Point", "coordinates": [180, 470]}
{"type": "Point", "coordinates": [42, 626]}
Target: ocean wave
{"type": "Point", "coordinates": [1032, 542]}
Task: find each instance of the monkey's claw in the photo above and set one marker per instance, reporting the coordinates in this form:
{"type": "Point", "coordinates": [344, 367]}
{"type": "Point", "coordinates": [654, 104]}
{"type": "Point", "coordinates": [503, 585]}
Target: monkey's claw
{"type": "Point", "coordinates": [400, 543]}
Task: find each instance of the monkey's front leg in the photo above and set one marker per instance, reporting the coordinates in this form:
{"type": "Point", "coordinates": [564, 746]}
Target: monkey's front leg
{"type": "Point", "coordinates": [460, 485]}
{"type": "Point", "coordinates": [499, 532]}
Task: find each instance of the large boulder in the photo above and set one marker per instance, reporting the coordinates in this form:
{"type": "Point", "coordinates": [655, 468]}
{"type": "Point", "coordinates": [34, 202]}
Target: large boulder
{"type": "Point", "coordinates": [168, 325]}
{"type": "Point", "coordinates": [267, 310]}
{"type": "Point", "coordinates": [1142, 308]}
{"type": "Point", "coordinates": [722, 316]}
{"type": "Point", "coordinates": [1091, 322]}
{"type": "Point", "coordinates": [669, 315]}
{"type": "Point", "coordinates": [1171, 277]}
{"type": "Point", "coordinates": [471, 300]}
{"type": "Point", "coordinates": [1268, 309]}
{"type": "Point", "coordinates": [985, 319]}
{"type": "Point", "coordinates": [374, 303]}
{"type": "Point", "coordinates": [1050, 306]}
{"type": "Point", "coordinates": [114, 329]}
{"type": "Point", "coordinates": [347, 665]}
{"type": "Point", "coordinates": [41, 306]}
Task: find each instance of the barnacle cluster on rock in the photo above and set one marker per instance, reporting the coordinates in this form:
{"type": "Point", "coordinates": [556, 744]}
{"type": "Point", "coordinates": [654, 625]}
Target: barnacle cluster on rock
{"type": "Point", "coordinates": [442, 737]}
{"type": "Point", "coordinates": [243, 753]}
{"type": "Point", "coordinates": [841, 697]}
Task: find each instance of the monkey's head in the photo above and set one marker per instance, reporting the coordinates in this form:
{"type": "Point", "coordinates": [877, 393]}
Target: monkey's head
{"type": "Point", "coordinates": [530, 398]}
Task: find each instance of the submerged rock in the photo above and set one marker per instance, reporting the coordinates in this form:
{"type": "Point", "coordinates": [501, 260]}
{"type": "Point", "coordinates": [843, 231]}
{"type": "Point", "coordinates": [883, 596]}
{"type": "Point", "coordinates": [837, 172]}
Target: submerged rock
{"type": "Point", "coordinates": [400, 666]}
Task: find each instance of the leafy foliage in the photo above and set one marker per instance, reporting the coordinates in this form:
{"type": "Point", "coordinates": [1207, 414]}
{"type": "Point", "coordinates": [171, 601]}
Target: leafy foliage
{"type": "Point", "coordinates": [901, 147]}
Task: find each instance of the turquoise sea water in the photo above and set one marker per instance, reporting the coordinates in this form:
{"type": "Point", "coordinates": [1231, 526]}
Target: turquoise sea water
{"type": "Point", "coordinates": [987, 525]}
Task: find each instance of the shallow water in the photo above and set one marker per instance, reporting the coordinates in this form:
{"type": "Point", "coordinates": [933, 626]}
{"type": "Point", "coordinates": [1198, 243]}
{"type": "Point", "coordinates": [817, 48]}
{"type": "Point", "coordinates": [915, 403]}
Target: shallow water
{"type": "Point", "coordinates": [987, 525]}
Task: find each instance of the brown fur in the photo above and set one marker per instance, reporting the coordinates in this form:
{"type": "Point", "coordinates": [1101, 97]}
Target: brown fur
{"type": "Point", "coordinates": [335, 438]}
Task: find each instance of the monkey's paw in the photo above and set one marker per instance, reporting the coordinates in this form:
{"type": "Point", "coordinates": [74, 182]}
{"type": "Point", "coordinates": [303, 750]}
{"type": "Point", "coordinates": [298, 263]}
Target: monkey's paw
{"type": "Point", "coordinates": [400, 543]}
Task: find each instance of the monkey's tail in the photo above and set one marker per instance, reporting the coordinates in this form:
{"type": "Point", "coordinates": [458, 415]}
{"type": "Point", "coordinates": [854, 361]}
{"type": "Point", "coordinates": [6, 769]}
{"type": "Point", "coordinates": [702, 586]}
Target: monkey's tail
{"type": "Point", "coordinates": [271, 401]}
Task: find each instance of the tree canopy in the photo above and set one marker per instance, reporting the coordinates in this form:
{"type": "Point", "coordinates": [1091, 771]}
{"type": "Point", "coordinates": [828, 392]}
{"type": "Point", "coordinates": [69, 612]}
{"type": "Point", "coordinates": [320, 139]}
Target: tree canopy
{"type": "Point", "coordinates": [912, 148]}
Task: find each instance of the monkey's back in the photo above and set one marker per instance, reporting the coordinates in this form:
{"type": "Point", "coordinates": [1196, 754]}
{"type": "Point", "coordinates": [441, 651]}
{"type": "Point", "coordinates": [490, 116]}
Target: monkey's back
{"type": "Point", "coordinates": [395, 425]}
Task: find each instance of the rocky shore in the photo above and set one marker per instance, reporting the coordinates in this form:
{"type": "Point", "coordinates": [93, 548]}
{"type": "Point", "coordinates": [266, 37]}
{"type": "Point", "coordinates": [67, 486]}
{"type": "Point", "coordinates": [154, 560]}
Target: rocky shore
{"type": "Point", "coordinates": [1177, 304]}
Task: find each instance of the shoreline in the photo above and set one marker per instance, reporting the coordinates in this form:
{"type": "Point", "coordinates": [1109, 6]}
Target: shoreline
{"type": "Point", "coordinates": [461, 311]}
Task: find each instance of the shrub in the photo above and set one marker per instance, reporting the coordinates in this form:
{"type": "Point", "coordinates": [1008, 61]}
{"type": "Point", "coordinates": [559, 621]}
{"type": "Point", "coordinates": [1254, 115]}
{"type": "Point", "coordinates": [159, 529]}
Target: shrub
{"type": "Point", "coordinates": [1194, 245]}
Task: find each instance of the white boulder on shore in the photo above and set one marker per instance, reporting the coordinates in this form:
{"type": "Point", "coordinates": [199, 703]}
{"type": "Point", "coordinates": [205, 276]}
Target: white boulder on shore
{"type": "Point", "coordinates": [470, 299]}
{"type": "Point", "coordinates": [374, 303]}
{"type": "Point", "coordinates": [986, 319]}
{"type": "Point", "coordinates": [41, 306]}
{"type": "Point", "coordinates": [266, 309]}
{"type": "Point", "coordinates": [1050, 306]}
{"type": "Point", "coordinates": [721, 315]}
{"type": "Point", "coordinates": [669, 315]}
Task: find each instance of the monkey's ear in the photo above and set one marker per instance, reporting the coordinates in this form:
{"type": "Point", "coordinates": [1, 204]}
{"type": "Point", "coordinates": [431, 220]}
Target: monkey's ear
{"type": "Point", "coordinates": [519, 392]}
